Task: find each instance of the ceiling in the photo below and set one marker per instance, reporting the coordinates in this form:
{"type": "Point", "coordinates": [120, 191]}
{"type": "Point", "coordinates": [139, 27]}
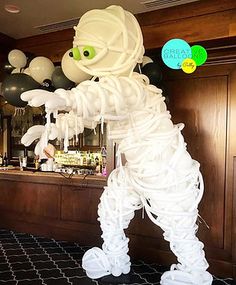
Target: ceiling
{"type": "Point", "coordinates": [42, 16]}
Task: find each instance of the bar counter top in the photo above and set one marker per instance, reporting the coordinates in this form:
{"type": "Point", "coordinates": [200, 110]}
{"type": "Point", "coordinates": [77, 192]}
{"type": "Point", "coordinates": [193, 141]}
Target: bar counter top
{"type": "Point", "coordinates": [43, 177]}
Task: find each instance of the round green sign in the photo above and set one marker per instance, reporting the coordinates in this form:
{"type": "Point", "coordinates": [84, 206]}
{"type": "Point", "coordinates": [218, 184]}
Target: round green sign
{"type": "Point", "coordinates": [199, 54]}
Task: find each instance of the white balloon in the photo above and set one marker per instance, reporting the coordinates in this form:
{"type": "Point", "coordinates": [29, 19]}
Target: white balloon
{"type": "Point", "coordinates": [17, 58]}
{"type": "Point", "coordinates": [27, 71]}
{"type": "Point", "coordinates": [71, 70]}
{"type": "Point", "coordinates": [146, 60]}
{"type": "Point", "coordinates": [16, 70]}
{"type": "Point", "coordinates": [41, 68]}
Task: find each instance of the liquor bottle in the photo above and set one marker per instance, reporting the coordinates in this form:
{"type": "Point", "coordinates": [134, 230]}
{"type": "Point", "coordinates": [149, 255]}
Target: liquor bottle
{"type": "Point", "coordinates": [5, 160]}
{"type": "Point", "coordinates": [88, 158]}
{"type": "Point", "coordinates": [1, 159]}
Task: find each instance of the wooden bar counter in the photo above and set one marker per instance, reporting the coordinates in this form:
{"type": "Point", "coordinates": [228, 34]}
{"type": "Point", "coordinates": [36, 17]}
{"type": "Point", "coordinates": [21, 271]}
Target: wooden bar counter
{"type": "Point", "coordinates": [54, 206]}
{"type": "Point", "coordinates": [50, 204]}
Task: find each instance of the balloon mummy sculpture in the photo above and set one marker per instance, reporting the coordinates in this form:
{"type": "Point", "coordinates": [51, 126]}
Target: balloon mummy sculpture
{"type": "Point", "coordinates": [159, 175]}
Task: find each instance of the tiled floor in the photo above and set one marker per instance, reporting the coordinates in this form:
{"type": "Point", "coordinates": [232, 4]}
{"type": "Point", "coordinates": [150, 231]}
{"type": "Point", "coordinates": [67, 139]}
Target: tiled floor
{"type": "Point", "coordinates": [31, 260]}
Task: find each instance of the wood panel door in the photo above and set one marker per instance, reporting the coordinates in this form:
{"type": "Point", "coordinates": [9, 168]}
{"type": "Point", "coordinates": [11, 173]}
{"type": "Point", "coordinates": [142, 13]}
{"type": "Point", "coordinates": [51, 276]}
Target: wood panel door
{"type": "Point", "coordinates": [204, 101]}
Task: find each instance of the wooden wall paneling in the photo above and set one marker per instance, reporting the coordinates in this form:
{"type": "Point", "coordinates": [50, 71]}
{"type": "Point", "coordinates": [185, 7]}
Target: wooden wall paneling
{"type": "Point", "coordinates": [30, 199]}
{"type": "Point", "coordinates": [193, 22]}
{"type": "Point", "coordinates": [230, 152]}
{"type": "Point", "coordinates": [193, 29]}
{"type": "Point", "coordinates": [52, 45]}
{"type": "Point", "coordinates": [203, 101]}
{"type": "Point", "coordinates": [80, 204]}
{"type": "Point", "coordinates": [231, 167]}
{"type": "Point", "coordinates": [190, 10]}
{"type": "Point", "coordinates": [142, 227]}
{"type": "Point", "coordinates": [234, 219]}
{"type": "Point", "coordinates": [201, 104]}
{"type": "Point", "coordinates": [41, 40]}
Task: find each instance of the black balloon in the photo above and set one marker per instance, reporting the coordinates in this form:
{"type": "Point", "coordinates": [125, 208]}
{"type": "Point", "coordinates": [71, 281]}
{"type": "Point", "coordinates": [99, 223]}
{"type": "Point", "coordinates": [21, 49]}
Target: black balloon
{"type": "Point", "coordinates": [7, 67]}
{"type": "Point", "coordinates": [153, 72]}
{"type": "Point", "coordinates": [59, 80]}
{"type": "Point", "coordinates": [14, 85]}
{"type": "Point", "coordinates": [47, 85]}
{"type": "Point", "coordinates": [137, 68]}
{"type": "Point", "coordinates": [29, 57]}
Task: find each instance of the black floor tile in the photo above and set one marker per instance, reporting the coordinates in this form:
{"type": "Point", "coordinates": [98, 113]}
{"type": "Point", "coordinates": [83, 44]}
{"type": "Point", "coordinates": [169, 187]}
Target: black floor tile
{"type": "Point", "coordinates": [31, 282]}
{"type": "Point", "coordinates": [53, 250]}
{"type": "Point", "coordinates": [48, 244]}
{"type": "Point", "coordinates": [22, 235]}
{"type": "Point", "coordinates": [4, 276]}
{"type": "Point", "coordinates": [58, 281]}
{"type": "Point", "coordinates": [44, 265]}
{"type": "Point", "coordinates": [151, 278]}
{"type": "Point", "coordinates": [66, 264]}
{"type": "Point", "coordinates": [43, 239]}
{"type": "Point", "coordinates": [11, 246]}
{"type": "Point", "coordinates": [7, 240]}
{"type": "Point", "coordinates": [26, 240]}
{"type": "Point", "coordinates": [77, 256]}
{"type": "Point", "coordinates": [12, 282]}
{"type": "Point", "coordinates": [26, 274]}
{"type": "Point", "coordinates": [74, 249]}
{"type": "Point", "coordinates": [21, 266]}
{"type": "Point", "coordinates": [33, 251]}
{"type": "Point", "coordinates": [26, 245]}
{"type": "Point", "coordinates": [62, 256]}
{"type": "Point", "coordinates": [3, 231]}
{"type": "Point", "coordinates": [82, 280]}
{"type": "Point", "coordinates": [2, 259]}
{"type": "Point", "coordinates": [136, 278]}
{"type": "Point", "coordinates": [18, 258]}
{"type": "Point", "coordinates": [4, 267]}
{"type": "Point", "coordinates": [143, 269]}
{"type": "Point", "coordinates": [66, 244]}
{"type": "Point", "coordinates": [14, 252]}
{"type": "Point", "coordinates": [73, 272]}
{"type": "Point", "coordinates": [39, 257]}
{"type": "Point", "coordinates": [6, 236]}
{"type": "Point", "coordinates": [50, 273]}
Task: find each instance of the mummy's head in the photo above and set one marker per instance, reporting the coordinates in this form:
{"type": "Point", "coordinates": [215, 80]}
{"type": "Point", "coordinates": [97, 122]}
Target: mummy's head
{"type": "Point", "coordinates": [107, 42]}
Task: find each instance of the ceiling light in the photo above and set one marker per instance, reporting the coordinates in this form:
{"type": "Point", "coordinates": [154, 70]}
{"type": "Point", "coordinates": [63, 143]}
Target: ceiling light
{"type": "Point", "coordinates": [12, 8]}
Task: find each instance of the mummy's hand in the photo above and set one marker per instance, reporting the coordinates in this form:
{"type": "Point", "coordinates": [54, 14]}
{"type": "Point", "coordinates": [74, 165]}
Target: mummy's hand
{"type": "Point", "coordinates": [38, 97]}
{"type": "Point", "coordinates": [41, 133]}
{"type": "Point", "coordinates": [37, 132]}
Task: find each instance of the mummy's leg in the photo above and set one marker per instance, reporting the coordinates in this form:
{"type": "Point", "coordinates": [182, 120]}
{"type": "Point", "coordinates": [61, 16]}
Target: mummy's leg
{"type": "Point", "coordinates": [176, 213]}
{"type": "Point", "coordinates": [118, 203]}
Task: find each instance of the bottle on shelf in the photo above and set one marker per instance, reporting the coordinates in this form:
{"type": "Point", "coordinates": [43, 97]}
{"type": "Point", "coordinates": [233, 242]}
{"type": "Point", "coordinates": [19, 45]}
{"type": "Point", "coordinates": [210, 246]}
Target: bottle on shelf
{"type": "Point", "coordinates": [88, 158]}
{"type": "Point", "coordinates": [1, 159]}
{"type": "Point", "coordinates": [5, 160]}
{"type": "Point", "coordinates": [104, 161]}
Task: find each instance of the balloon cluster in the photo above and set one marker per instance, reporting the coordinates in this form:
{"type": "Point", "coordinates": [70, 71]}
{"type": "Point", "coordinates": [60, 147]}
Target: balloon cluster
{"type": "Point", "coordinates": [152, 70]}
{"type": "Point", "coordinates": [24, 72]}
